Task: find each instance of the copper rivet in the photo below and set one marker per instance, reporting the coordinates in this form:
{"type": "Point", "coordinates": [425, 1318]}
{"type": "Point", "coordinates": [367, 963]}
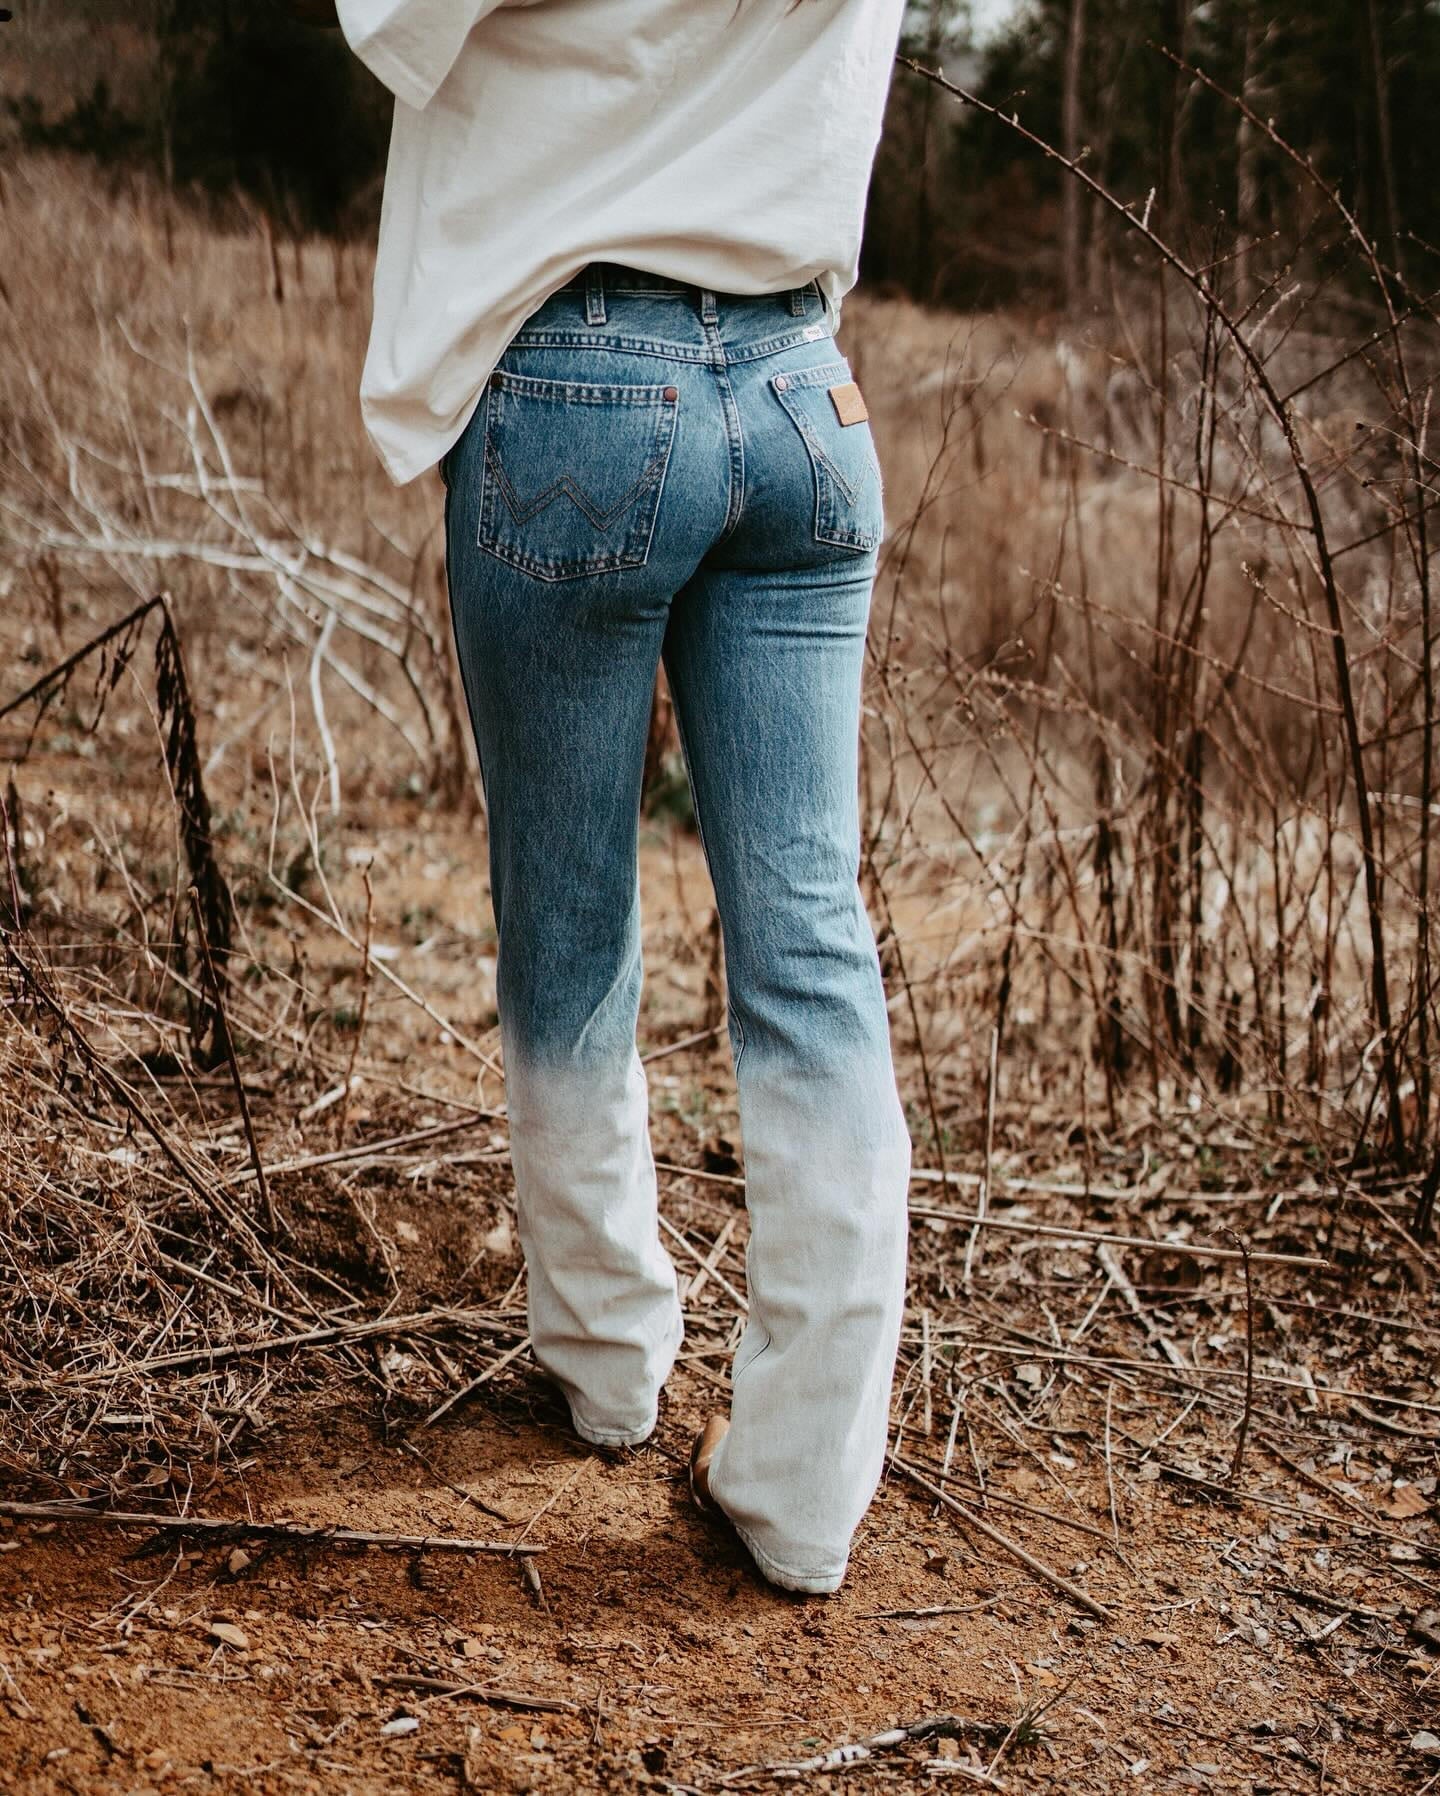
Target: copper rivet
{"type": "Point", "coordinates": [672, 392]}
{"type": "Point", "coordinates": [781, 383]}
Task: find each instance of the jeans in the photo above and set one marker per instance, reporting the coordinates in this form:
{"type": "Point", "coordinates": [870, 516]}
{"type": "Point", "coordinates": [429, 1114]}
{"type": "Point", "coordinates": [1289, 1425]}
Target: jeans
{"type": "Point", "coordinates": [655, 471]}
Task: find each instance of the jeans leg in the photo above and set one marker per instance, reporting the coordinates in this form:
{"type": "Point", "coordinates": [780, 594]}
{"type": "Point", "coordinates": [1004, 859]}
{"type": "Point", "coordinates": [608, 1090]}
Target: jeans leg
{"type": "Point", "coordinates": [765, 667]}
{"type": "Point", "coordinates": [559, 681]}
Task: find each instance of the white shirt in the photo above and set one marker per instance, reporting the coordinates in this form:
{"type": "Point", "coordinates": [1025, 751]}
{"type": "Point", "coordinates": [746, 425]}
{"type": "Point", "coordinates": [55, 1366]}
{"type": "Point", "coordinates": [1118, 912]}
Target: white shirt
{"type": "Point", "coordinates": [727, 143]}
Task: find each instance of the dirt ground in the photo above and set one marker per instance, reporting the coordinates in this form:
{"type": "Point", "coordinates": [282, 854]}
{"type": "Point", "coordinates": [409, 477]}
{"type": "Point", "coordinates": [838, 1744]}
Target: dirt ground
{"type": "Point", "coordinates": [1283, 1639]}
{"type": "Point", "coordinates": [1286, 1639]}
{"type": "Point", "coordinates": [649, 1655]}
{"type": "Point", "coordinates": [1140, 1529]}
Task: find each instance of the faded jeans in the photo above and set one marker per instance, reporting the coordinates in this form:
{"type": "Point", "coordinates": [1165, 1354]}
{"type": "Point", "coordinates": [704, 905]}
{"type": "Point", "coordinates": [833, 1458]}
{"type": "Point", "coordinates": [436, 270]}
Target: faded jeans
{"type": "Point", "coordinates": [654, 471]}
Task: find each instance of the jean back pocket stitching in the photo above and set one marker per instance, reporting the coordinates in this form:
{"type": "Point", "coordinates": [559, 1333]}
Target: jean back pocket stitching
{"type": "Point", "coordinates": [571, 489]}
{"type": "Point", "coordinates": [495, 484]}
{"type": "Point", "coordinates": [851, 489]}
{"type": "Point", "coordinates": [829, 530]}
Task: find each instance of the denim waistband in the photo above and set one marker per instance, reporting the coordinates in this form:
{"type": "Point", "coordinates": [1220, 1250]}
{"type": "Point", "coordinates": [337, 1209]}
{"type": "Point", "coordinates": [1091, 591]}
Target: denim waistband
{"type": "Point", "coordinates": [599, 279]}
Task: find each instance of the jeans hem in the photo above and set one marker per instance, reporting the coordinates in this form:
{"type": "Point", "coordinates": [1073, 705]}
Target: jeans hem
{"type": "Point", "coordinates": [613, 1437]}
{"type": "Point", "coordinates": [808, 1583]}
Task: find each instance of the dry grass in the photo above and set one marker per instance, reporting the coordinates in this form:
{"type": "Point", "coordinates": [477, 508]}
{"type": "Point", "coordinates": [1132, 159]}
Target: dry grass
{"type": "Point", "coordinates": [1110, 842]}
{"type": "Point", "coordinates": [1111, 849]}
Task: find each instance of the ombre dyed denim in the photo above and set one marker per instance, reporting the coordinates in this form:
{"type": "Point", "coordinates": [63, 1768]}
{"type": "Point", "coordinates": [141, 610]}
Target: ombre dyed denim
{"type": "Point", "coordinates": [657, 472]}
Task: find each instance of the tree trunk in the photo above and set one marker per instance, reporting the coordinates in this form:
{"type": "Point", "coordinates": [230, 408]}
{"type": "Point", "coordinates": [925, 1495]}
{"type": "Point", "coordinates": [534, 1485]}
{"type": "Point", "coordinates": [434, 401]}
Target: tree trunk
{"type": "Point", "coordinates": [1072, 247]}
{"type": "Point", "coordinates": [1381, 76]}
{"type": "Point", "coordinates": [1247, 164]}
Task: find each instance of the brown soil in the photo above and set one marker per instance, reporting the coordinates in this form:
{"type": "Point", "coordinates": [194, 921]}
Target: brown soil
{"type": "Point", "coordinates": [1271, 1617]}
{"type": "Point", "coordinates": [677, 1666]}
{"type": "Point", "coordinates": [670, 1664]}
{"type": "Point", "coordinates": [1282, 1641]}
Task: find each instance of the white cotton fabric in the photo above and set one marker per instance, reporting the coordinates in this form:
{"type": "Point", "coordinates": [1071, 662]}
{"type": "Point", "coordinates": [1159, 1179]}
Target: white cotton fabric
{"type": "Point", "coordinates": [727, 143]}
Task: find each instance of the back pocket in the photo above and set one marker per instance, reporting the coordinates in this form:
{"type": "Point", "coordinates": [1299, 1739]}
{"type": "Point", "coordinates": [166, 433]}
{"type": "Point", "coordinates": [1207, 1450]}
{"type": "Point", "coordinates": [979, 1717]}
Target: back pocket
{"type": "Point", "coordinates": [849, 504]}
{"type": "Point", "coordinates": [572, 473]}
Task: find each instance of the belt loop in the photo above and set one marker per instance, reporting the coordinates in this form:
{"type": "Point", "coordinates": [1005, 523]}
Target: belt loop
{"type": "Point", "coordinates": [709, 313]}
{"type": "Point", "coordinates": [594, 294]}
{"type": "Point", "coordinates": [797, 301]}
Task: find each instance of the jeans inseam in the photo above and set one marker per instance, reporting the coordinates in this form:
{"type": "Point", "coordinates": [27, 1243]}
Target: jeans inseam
{"type": "Point", "coordinates": [735, 1016]}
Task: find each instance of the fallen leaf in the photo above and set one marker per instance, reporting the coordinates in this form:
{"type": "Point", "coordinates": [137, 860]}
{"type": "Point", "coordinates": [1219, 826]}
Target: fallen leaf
{"type": "Point", "coordinates": [1405, 1501]}
{"type": "Point", "coordinates": [402, 1724]}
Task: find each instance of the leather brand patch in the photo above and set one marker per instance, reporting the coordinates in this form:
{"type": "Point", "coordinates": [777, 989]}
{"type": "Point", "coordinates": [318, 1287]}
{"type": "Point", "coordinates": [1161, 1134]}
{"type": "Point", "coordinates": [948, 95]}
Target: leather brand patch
{"type": "Point", "coordinates": [849, 403]}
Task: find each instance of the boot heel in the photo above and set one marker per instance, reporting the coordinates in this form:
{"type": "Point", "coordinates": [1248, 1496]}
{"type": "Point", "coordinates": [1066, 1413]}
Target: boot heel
{"type": "Point", "coordinates": [701, 1454]}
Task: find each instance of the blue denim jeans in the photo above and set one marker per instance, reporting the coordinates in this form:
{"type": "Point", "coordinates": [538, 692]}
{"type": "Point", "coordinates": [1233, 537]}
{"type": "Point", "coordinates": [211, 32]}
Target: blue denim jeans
{"type": "Point", "coordinates": [654, 471]}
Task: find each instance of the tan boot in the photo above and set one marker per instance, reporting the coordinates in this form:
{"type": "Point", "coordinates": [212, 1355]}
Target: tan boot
{"type": "Point", "coordinates": [708, 1439]}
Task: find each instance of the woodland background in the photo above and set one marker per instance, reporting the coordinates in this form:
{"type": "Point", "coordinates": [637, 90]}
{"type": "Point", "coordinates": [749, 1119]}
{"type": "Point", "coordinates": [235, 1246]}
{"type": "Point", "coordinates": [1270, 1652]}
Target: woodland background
{"type": "Point", "coordinates": [237, 100]}
{"type": "Point", "coordinates": [1148, 333]}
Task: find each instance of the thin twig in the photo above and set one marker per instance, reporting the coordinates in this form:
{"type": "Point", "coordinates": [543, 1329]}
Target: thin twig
{"type": "Point", "coordinates": [242, 1528]}
{"type": "Point", "coordinates": [502, 1699]}
{"type": "Point", "coordinates": [982, 1208]}
{"type": "Point", "coordinates": [227, 1042]}
{"type": "Point", "coordinates": [57, 674]}
{"type": "Point", "coordinates": [1042, 1571]}
{"type": "Point", "coordinates": [328, 1334]}
{"type": "Point", "coordinates": [347, 1084]}
{"type": "Point", "coordinates": [1199, 1250]}
{"type": "Point", "coordinates": [1238, 1459]}
{"type": "Point", "coordinates": [474, 1385]}
{"type": "Point", "coordinates": [363, 1150]}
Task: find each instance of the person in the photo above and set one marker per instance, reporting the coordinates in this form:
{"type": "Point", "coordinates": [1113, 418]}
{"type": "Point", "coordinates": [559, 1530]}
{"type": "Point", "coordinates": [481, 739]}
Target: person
{"type": "Point", "coordinates": [614, 240]}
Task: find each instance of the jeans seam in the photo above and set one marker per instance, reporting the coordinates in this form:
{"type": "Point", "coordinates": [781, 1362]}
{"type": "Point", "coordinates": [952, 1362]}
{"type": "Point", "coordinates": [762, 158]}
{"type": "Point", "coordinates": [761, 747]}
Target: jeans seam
{"type": "Point", "coordinates": [659, 347]}
{"type": "Point", "coordinates": [736, 1376]}
{"type": "Point", "coordinates": [734, 1014]}
{"type": "Point", "coordinates": [651, 346]}
{"type": "Point", "coordinates": [735, 443]}
{"type": "Point", "coordinates": [465, 687]}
